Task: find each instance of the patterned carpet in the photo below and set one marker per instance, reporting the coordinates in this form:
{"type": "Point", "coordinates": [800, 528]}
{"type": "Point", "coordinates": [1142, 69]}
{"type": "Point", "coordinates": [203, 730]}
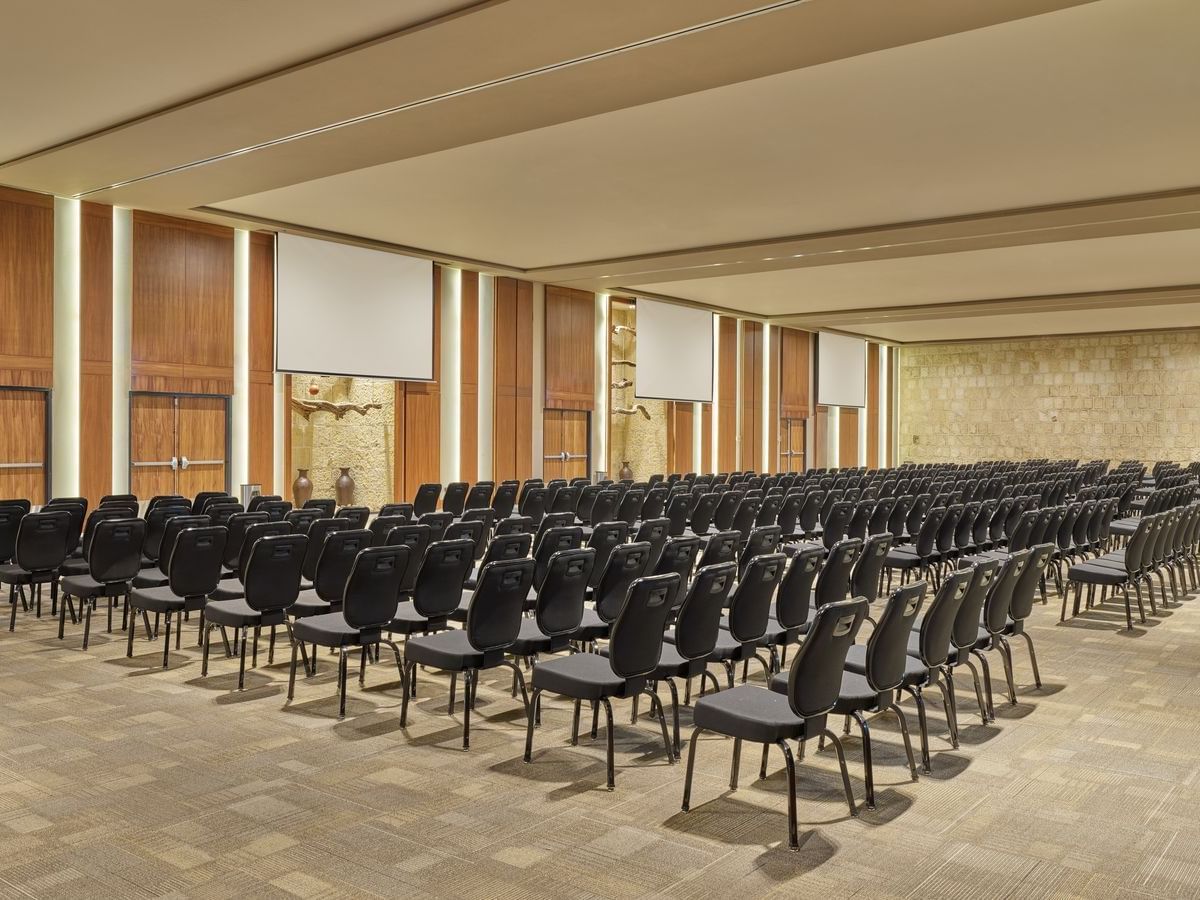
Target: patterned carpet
{"type": "Point", "coordinates": [119, 779]}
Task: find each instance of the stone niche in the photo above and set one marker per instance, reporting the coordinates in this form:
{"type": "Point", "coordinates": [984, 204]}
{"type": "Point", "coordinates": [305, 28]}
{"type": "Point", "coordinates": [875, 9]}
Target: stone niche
{"type": "Point", "coordinates": [323, 443]}
{"type": "Point", "coordinates": [632, 437]}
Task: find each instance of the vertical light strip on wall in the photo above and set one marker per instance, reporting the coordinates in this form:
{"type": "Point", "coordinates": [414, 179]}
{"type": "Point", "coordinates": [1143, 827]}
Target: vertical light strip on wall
{"type": "Point", "coordinates": [885, 442]}
{"type": "Point", "coordinates": [240, 407]}
{"type": "Point", "coordinates": [65, 444]}
{"type": "Point", "coordinates": [738, 381]}
{"type": "Point", "coordinates": [539, 377]}
{"type": "Point", "coordinates": [716, 407]}
{"type": "Point", "coordinates": [451, 372]}
{"type": "Point", "coordinates": [697, 436]}
{"type": "Point", "coordinates": [834, 432]}
{"type": "Point", "coordinates": [767, 413]}
{"type": "Point", "coordinates": [122, 340]}
{"type": "Point", "coordinates": [487, 349]}
{"type": "Point", "coordinates": [280, 415]}
{"type": "Point", "coordinates": [600, 416]}
{"type": "Point", "coordinates": [862, 437]}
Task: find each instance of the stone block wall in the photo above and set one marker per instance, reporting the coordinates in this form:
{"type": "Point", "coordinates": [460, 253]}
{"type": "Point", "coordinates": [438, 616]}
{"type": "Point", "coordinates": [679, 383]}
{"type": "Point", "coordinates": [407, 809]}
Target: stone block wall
{"type": "Point", "coordinates": [1121, 396]}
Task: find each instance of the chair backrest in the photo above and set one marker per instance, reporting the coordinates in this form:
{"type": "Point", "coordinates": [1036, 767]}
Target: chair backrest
{"type": "Point", "coordinates": [836, 522]}
{"type": "Point", "coordinates": [1018, 538]}
{"type": "Point", "coordinates": [948, 528]}
{"type": "Point", "coordinates": [196, 560]}
{"type": "Point", "coordinates": [926, 540]}
{"type": "Point", "coordinates": [472, 530]}
{"type": "Point", "coordinates": [699, 620]}
{"type": "Point", "coordinates": [439, 585]}
{"type": "Point", "coordinates": [171, 529]}
{"type": "Point", "coordinates": [426, 498]}
{"type": "Point", "coordinates": [358, 515]}
{"type": "Point", "coordinates": [76, 508]}
{"type": "Point", "coordinates": [679, 556]}
{"type": "Point", "coordinates": [788, 518]}
{"type": "Point", "coordinates": [965, 633]}
{"type": "Point", "coordinates": [116, 549]}
{"type": "Point", "coordinates": [10, 526]}
{"type": "Point", "coordinates": [625, 564]}
{"type": "Point", "coordinates": [933, 642]}
{"type": "Point", "coordinates": [276, 509]}
{"type": "Point", "coordinates": [417, 539]}
{"type": "Point", "coordinates": [727, 508]}
{"type": "Point", "coordinates": [964, 536]}
{"type": "Point", "coordinates": [202, 499]}
{"type": "Point", "coordinates": [815, 679]}
{"type": "Point", "coordinates": [860, 517]}
{"type": "Point", "coordinates": [631, 506]}
{"type": "Point", "coordinates": [833, 582]}
{"type": "Point", "coordinates": [317, 532]}
{"type": "Point", "coordinates": [887, 648]}
{"type": "Point", "coordinates": [702, 512]}
{"type": "Point", "coordinates": [881, 515]}
{"type": "Point", "coordinates": [479, 496]}
{"type": "Point", "coordinates": [605, 537]}
{"type": "Point", "coordinates": [898, 520]}
{"type": "Point", "coordinates": [371, 592]}
{"type": "Point", "coordinates": [794, 597]}
{"type": "Point", "coordinates": [559, 607]}
{"type": "Point", "coordinates": [255, 533]}
{"type": "Point", "coordinates": [221, 510]}
{"type": "Point", "coordinates": [810, 511]}
{"type": "Point", "coordinates": [917, 512]}
{"type": "Point", "coordinates": [95, 517]}
{"type": "Point", "coordinates": [326, 505]}
{"type": "Point", "coordinates": [335, 559]}
{"type": "Point", "coordinates": [397, 509]}
{"type": "Point", "coordinates": [381, 525]}
{"type": "Point", "coordinates": [236, 526]}
{"type": "Point", "coordinates": [745, 516]}
{"type": "Point", "coordinates": [635, 646]}
{"type": "Point", "coordinates": [654, 532]}
{"type": "Point", "coordinates": [515, 525]}
{"type": "Point", "coordinates": [272, 576]}
{"type": "Point", "coordinates": [508, 546]}
{"type": "Point", "coordinates": [721, 547]}
{"type": "Point", "coordinates": [1026, 587]}
{"type": "Point", "coordinates": [999, 599]}
{"type": "Point", "coordinates": [587, 498]}
{"type": "Point", "coordinates": [750, 605]}
{"type": "Point", "coordinates": [865, 577]}
{"type": "Point", "coordinates": [494, 612]}
{"type": "Point", "coordinates": [259, 499]}
{"type": "Point", "coordinates": [505, 499]}
{"type": "Point", "coordinates": [677, 514]}
{"type": "Point", "coordinates": [765, 539]}
{"type": "Point", "coordinates": [768, 513]}
{"type": "Point", "coordinates": [438, 522]}
{"type": "Point", "coordinates": [301, 519]}
{"type": "Point", "coordinates": [455, 499]}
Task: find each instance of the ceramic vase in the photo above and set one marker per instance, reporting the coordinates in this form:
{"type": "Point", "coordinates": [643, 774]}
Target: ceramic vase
{"type": "Point", "coordinates": [302, 488]}
{"type": "Point", "coordinates": [344, 487]}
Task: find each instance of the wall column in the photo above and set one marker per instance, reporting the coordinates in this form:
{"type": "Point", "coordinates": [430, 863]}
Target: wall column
{"type": "Point", "coordinates": [539, 377]}
{"type": "Point", "coordinates": [122, 341]}
{"type": "Point", "coordinates": [603, 377]}
{"type": "Point", "coordinates": [239, 464]}
{"type": "Point", "coordinates": [450, 376]}
{"type": "Point", "coordinates": [65, 404]}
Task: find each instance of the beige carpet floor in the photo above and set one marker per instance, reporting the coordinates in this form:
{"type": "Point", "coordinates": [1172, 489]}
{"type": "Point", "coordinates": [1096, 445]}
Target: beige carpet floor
{"type": "Point", "coordinates": [120, 779]}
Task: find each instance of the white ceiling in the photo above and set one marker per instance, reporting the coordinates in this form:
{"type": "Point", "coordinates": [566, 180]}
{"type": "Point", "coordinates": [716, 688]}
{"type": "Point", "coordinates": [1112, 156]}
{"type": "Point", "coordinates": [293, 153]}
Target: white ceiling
{"type": "Point", "coordinates": [930, 153]}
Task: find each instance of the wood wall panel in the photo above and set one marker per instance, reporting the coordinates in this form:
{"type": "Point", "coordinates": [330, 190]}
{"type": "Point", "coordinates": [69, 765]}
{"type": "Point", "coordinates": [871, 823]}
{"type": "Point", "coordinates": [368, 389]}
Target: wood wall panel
{"type": "Point", "coordinates": [570, 338]}
{"type": "Point", "coordinates": [820, 438]}
{"type": "Point", "coordinates": [680, 437]}
{"type": "Point", "coordinates": [727, 395]}
{"type": "Point", "coordinates": [26, 288]}
{"type": "Point", "coordinates": [706, 460]}
{"type": "Point", "coordinates": [795, 373]}
{"type": "Point", "coordinates": [468, 458]}
{"type": "Point", "coordinates": [848, 437]}
{"type": "Point", "coordinates": [262, 365]}
{"type": "Point", "coordinates": [95, 351]}
{"type": "Point", "coordinates": [751, 387]}
{"type": "Point", "coordinates": [182, 315]}
{"type": "Point", "coordinates": [872, 410]}
{"type": "Point", "coordinates": [512, 418]}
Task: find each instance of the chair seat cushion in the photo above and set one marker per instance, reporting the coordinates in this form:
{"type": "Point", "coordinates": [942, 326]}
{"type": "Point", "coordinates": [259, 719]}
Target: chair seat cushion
{"type": "Point", "coordinates": [11, 573]}
{"type": "Point", "coordinates": [915, 671]}
{"type": "Point", "coordinates": [448, 650]}
{"type": "Point", "coordinates": [751, 713]}
{"type": "Point", "coordinates": [408, 621]}
{"type": "Point", "coordinates": [86, 586]}
{"type": "Point", "coordinates": [856, 694]}
{"type": "Point", "coordinates": [1090, 573]}
{"type": "Point", "coordinates": [236, 612]}
{"type": "Point", "coordinates": [902, 558]}
{"type": "Point", "coordinates": [585, 676]}
{"type": "Point", "coordinates": [330, 630]}
{"type": "Point", "coordinates": [532, 640]}
{"type": "Point", "coordinates": [591, 627]}
{"type": "Point", "coordinates": [1124, 526]}
{"type": "Point", "coordinates": [150, 579]}
{"type": "Point", "coordinates": [228, 590]}
{"type": "Point", "coordinates": [670, 663]}
{"type": "Point", "coordinates": [309, 604]}
{"type": "Point", "coordinates": [74, 567]}
{"type": "Point", "coordinates": [156, 599]}
{"type": "Point", "coordinates": [460, 614]}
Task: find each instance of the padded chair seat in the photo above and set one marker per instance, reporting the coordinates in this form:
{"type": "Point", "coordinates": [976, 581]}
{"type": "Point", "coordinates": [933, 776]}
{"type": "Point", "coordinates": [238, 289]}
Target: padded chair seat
{"type": "Point", "coordinates": [309, 604]}
{"type": "Point", "coordinates": [152, 579]}
{"type": "Point", "coordinates": [776, 635]}
{"type": "Point", "coordinates": [11, 573]}
{"type": "Point", "coordinates": [156, 599]}
{"type": "Point", "coordinates": [585, 676]}
{"type": "Point", "coordinates": [1091, 573]}
{"type": "Point", "coordinates": [86, 586]}
{"type": "Point", "coordinates": [446, 650]}
{"type": "Point", "coordinates": [330, 630]}
{"type": "Point", "coordinates": [591, 627]}
{"type": "Point", "coordinates": [854, 695]}
{"type": "Point", "coordinates": [408, 621]}
{"type": "Point", "coordinates": [914, 670]}
{"type": "Point", "coordinates": [753, 714]}
{"type": "Point", "coordinates": [727, 647]}
{"type": "Point", "coordinates": [74, 567]}
{"type": "Point", "coordinates": [228, 590]}
{"type": "Point", "coordinates": [236, 612]}
{"type": "Point", "coordinates": [1125, 526]}
{"type": "Point", "coordinates": [460, 614]}
{"type": "Point", "coordinates": [902, 558]}
{"type": "Point", "coordinates": [670, 663]}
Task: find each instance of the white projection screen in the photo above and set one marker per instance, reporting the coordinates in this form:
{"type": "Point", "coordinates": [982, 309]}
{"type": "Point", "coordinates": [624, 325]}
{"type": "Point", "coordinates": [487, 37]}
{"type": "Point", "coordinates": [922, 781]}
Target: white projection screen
{"type": "Point", "coordinates": [674, 353]}
{"type": "Point", "coordinates": [344, 310]}
{"type": "Point", "coordinates": [841, 370]}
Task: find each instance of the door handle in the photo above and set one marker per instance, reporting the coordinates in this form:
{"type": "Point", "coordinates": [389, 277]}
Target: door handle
{"type": "Point", "coordinates": [183, 462]}
{"type": "Point", "coordinates": [19, 465]}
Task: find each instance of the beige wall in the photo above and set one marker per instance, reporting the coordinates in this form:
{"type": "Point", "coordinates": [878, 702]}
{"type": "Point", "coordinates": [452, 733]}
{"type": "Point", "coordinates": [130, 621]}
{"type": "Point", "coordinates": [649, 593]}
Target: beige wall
{"type": "Point", "coordinates": [1134, 396]}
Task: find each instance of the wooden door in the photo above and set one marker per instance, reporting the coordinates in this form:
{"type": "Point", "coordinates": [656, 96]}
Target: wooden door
{"type": "Point", "coordinates": [792, 436]}
{"type": "Point", "coordinates": [23, 445]}
{"type": "Point", "coordinates": [152, 453]}
{"type": "Point", "coordinates": [200, 440]}
{"type": "Point", "coordinates": [565, 442]}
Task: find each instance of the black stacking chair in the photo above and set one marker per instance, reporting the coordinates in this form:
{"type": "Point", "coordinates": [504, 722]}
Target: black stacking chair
{"type": "Point", "coordinates": [884, 663]}
{"type": "Point", "coordinates": [236, 527]}
{"type": "Point", "coordinates": [995, 620]}
{"type": "Point", "coordinates": [964, 638]}
{"type": "Point", "coordinates": [335, 556]}
{"type": "Point", "coordinates": [272, 579]}
{"type": "Point", "coordinates": [867, 574]}
{"type": "Point", "coordinates": [679, 556]}
{"type": "Point", "coordinates": [493, 625]}
{"type": "Point", "coordinates": [426, 498]}
{"type": "Point", "coordinates": [417, 539]}
{"type": "Point", "coordinates": [157, 576]}
{"type": "Point", "coordinates": [221, 510]}
{"type": "Point", "coordinates": [79, 565]}
{"type": "Point", "coordinates": [559, 606]}
{"type": "Point", "coordinates": [504, 499]}
{"type": "Point", "coordinates": [922, 555]}
{"type": "Point", "coordinates": [326, 505]}
{"type": "Point", "coordinates": [368, 605]}
{"type": "Point", "coordinates": [502, 547]}
{"type": "Point", "coordinates": [626, 564]}
{"type": "Point", "coordinates": [194, 570]}
{"type": "Point", "coordinates": [358, 515]}
{"type": "Point", "coordinates": [114, 556]}
{"type": "Point", "coordinates": [554, 520]}
{"type": "Point", "coordinates": [316, 543]}
{"type": "Point", "coordinates": [605, 537]}
{"type": "Point", "coordinates": [750, 713]}
{"type": "Point", "coordinates": [437, 590]}
{"type": "Point", "coordinates": [634, 652]}
{"type": "Point", "coordinates": [1022, 606]}
{"type": "Point", "coordinates": [259, 499]}
{"type": "Point", "coordinates": [233, 587]}
{"type": "Point", "coordinates": [515, 525]}
{"type": "Point", "coordinates": [676, 514]}
{"type": "Point", "coordinates": [701, 519]}
{"type": "Point", "coordinates": [470, 529]}
{"type": "Point", "coordinates": [630, 507]}
{"type": "Point", "coordinates": [721, 546]}
{"type": "Point", "coordinates": [654, 531]}
{"type": "Point", "coordinates": [118, 498]}
{"type": "Point", "coordinates": [764, 539]}
{"type": "Point", "coordinates": [11, 515]}
{"type": "Point", "coordinates": [202, 499]}
{"type": "Point", "coordinates": [455, 499]}
{"type": "Point", "coordinates": [301, 519]}
{"type": "Point", "coordinates": [438, 522]}
{"type": "Point", "coordinates": [793, 601]}
{"type": "Point", "coordinates": [397, 509]}
{"type": "Point", "coordinates": [479, 496]}
{"type": "Point", "coordinates": [41, 547]}
{"type": "Point", "coordinates": [744, 630]}
{"type": "Point", "coordinates": [381, 525]}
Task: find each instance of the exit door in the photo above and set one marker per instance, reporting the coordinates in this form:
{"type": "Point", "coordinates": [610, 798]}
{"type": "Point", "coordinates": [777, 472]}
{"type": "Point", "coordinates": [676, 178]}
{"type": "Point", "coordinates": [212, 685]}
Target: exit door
{"type": "Point", "coordinates": [793, 434]}
{"type": "Point", "coordinates": [566, 439]}
{"type": "Point", "coordinates": [24, 471]}
{"type": "Point", "coordinates": [178, 443]}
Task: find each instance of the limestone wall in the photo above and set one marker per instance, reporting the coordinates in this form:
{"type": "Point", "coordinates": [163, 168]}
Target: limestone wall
{"type": "Point", "coordinates": [1134, 396]}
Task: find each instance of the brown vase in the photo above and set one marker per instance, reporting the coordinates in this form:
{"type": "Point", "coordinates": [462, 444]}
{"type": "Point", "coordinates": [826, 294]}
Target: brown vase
{"type": "Point", "coordinates": [344, 487]}
{"type": "Point", "coordinates": [302, 488]}
{"type": "Point", "coordinates": [626, 473]}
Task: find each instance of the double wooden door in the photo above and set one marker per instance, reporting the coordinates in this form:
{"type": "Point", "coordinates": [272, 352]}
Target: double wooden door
{"type": "Point", "coordinates": [566, 442]}
{"type": "Point", "coordinates": [24, 441]}
{"type": "Point", "coordinates": [793, 435]}
{"type": "Point", "coordinates": [178, 444]}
